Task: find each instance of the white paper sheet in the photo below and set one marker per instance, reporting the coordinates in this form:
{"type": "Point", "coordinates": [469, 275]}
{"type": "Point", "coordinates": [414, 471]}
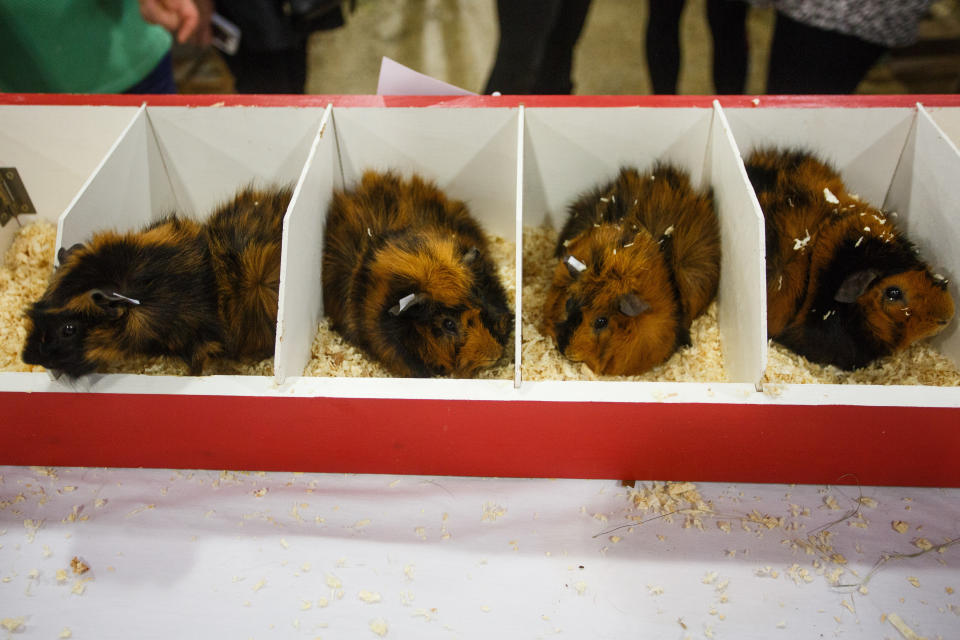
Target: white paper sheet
{"type": "Point", "coordinates": [398, 80]}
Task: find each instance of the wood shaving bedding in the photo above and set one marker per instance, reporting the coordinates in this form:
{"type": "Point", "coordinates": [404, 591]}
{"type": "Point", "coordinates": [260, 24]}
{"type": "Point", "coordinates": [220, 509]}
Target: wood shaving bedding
{"type": "Point", "coordinates": [26, 267]}
{"type": "Point", "coordinates": [28, 263]}
{"type": "Point", "coordinates": [170, 366]}
{"type": "Point", "coordinates": [919, 364]}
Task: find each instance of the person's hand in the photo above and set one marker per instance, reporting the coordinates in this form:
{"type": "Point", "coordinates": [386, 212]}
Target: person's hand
{"type": "Point", "coordinates": [204, 34]}
{"type": "Point", "coordinates": [179, 17]}
{"type": "Point", "coordinates": [204, 31]}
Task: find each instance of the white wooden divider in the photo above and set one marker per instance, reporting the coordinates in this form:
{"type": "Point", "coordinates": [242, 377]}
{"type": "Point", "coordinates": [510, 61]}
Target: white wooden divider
{"type": "Point", "coordinates": [469, 153]}
{"type": "Point", "coordinates": [568, 151]}
{"type": "Point", "coordinates": [518, 257]}
{"type": "Point", "coordinates": [55, 149]}
{"type": "Point", "coordinates": [742, 298]}
{"type": "Point", "coordinates": [129, 189]}
{"type": "Point", "coordinates": [210, 153]}
{"type": "Point", "coordinates": [301, 302]}
{"type": "Point", "coordinates": [925, 191]}
{"type": "Point", "coordinates": [864, 144]}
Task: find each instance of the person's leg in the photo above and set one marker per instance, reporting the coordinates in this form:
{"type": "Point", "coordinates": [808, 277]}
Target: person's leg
{"type": "Point", "coordinates": [556, 69]}
{"type": "Point", "coordinates": [160, 80]}
{"type": "Point", "coordinates": [283, 71]}
{"type": "Point", "coordinates": [663, 44]}
{"type": "Point", "coordinates": [525, 26]}
{"type": "Point", "coordinates": [728, 25]}
{"type": "Point", "coordinates": [273, 46]}
{"type": "Point", "coordinates": [806, 59]}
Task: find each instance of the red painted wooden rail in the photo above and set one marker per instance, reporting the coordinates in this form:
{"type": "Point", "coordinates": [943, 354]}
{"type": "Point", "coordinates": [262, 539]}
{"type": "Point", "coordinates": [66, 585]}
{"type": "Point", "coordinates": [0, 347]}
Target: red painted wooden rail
{"type": "Point", "coordinates": [681, 441]}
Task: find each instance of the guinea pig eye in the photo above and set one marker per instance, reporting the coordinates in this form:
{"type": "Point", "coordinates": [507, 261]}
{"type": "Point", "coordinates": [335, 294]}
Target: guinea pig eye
{"type": "Point", "coordinates": [600, 323]}
{"type": "Point", "coordinates": [449, 325]}
{"type": "Point", "coordinates": [893, 293]}
{"type": "Point", "coordinates": [68, 329]}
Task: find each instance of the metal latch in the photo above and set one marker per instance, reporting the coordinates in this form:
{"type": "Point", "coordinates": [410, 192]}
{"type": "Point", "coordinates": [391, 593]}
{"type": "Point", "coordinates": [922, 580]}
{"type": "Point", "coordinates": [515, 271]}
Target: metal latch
{"type": "Point", "coordinates": [14, 199]}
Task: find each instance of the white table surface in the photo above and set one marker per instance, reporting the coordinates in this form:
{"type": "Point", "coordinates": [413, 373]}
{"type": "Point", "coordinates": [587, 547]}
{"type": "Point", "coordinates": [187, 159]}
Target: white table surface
{"type": "Point", "coordinates": [208, 554]}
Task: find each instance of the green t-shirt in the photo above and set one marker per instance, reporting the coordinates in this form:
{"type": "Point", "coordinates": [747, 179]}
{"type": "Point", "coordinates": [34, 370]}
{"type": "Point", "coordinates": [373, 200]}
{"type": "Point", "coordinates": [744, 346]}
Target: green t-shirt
{"type": "Point", "coordinates": [76, 46]}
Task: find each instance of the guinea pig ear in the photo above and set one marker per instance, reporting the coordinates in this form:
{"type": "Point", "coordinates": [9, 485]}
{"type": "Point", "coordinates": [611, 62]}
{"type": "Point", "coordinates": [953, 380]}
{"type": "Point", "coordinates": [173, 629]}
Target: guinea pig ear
{"type": "Point", "coordinates": [631, 305]}
{"type": "Point", "coordinates": [574, 266]}
{"type": "Point", "coordinates": [855, 284]}
{"type": "Point", "coordinates": [111, 299]}
{"type": "Point", "coordinates": [64, 254]}
{"type": "Point", "coordinates": [471, 255]}
{"type": "Point", "coordinates": [406, 302]}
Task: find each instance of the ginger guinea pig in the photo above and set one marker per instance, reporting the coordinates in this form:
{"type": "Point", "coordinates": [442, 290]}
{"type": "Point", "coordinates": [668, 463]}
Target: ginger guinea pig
{"type": "Point", "coordinates": [176, 288]}
{"type": "Point", "coordinates": [407, 278]}
{"type": "Point", "coordinates": [639, 259]}
{"type": "Point", "coordinates": [844, 285]}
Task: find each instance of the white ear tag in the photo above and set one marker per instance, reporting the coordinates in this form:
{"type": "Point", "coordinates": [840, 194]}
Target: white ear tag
{"type": "Point", "coordinates": [406, 301]}
{"type": "Point", "coordinates": [575, 264]}
{"type": "Point", "coordinates": [125, 298]}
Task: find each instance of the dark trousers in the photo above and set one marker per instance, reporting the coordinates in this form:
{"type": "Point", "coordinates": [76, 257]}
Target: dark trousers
{"type": "Point", "coordinates": [806, 59]}
{"type": "Point", "coordinates": [273, 42]}
{"type": "Point", "coordinates": [727, 20]}
{"type": "Point", "coordinates": [535, 52]}
{"type": "Point", "coordinates": [283, 71]}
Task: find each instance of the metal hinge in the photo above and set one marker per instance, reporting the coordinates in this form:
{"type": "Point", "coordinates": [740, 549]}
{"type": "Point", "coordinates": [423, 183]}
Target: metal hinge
{"type": "Point", "coordinates": [14, 199]}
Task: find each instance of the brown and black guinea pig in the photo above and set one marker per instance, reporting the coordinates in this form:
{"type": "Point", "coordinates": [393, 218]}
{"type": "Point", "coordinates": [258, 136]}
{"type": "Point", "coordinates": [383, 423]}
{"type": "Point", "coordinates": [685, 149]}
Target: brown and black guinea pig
{"type": "Point", "coordinates": [639, 259]}
{"type": "Point", "coordinates": [407, 278]}
{"type": "Point", "coordinates": [844, 285]}
{"type": "Point", "coordinates": [177, 288]}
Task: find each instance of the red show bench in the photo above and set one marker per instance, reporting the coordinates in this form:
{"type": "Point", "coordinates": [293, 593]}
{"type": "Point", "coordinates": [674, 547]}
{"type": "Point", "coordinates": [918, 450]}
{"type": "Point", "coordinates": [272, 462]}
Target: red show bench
{"type": "Point", "coordinates": [95, 161]}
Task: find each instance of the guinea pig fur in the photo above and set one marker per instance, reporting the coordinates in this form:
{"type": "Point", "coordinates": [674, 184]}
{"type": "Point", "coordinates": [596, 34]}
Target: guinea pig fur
{"type": "Point", "coordinates": [639, 259]}
{"type": "Point", "coordinates": [175, 288]}
{"type": "Point", "coordinates": [844, 285]}
{"type": "Point", "coordinates": [244, 238]}
{"type": "Point", "coordinates": [407, 278]}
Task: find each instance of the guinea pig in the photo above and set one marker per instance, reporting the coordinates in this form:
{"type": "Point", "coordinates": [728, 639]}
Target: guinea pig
{"type": "Point", "coordinates": [639, 259]}
{"type": "Point", "coordinates": [178, 288]}
{"type": "Point", "coordinates": [407, 278]}
{"type": "Point", "coordinates": [844, 285]}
